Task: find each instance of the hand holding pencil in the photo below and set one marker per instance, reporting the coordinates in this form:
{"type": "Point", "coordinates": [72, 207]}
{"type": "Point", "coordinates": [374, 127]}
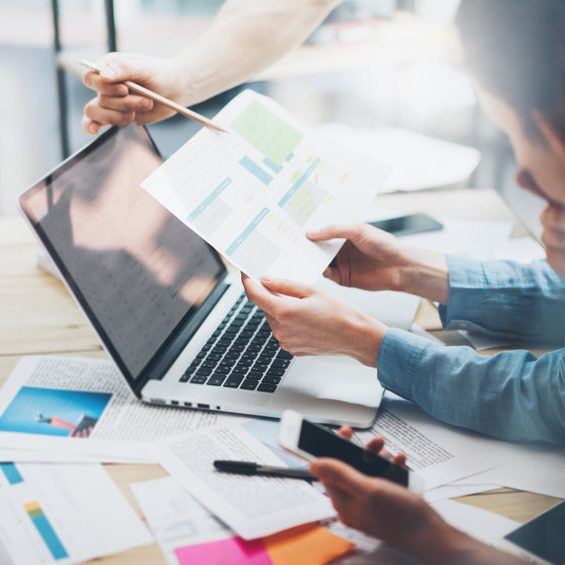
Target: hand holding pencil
{"type": "Point", "coordinates": [134, 89]}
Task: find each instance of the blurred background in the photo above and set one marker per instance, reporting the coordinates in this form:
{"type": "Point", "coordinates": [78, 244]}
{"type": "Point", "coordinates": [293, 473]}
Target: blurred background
{"type": "Point", "coordinates": [382, 75]}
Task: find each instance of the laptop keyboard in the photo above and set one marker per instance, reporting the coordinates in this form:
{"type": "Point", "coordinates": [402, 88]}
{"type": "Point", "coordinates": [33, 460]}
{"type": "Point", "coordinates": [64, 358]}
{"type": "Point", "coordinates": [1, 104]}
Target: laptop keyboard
{"type": "Point", "coordinates": [241, 353]}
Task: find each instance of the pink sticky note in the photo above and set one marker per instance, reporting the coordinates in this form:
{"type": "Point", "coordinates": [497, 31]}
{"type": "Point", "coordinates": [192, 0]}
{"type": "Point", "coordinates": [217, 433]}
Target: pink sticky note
{"type": "Point", "coordinates": [230, 551]}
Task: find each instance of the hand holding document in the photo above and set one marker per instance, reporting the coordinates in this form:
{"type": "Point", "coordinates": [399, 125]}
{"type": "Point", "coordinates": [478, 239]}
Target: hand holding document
{"type": "Point", "coordinates": [255, 193]}
{"type": "Point", "coordinates": [251, 506]}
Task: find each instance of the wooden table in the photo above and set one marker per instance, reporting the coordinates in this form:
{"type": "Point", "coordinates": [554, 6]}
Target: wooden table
{"type": "Point", "coordinates": [37, 316]}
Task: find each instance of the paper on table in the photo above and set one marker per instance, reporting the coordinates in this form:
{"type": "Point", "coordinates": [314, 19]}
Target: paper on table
{"type": "Point", "coordinates": [251, 506]}
{"type": "Point", "coordinates": [520, 249]}
{"type": "Point", "coordinates": [463, 237]}
{"type": "Point", "coordinates": [438, 453]}
{"type": "Point", "coordinates": [83, 407]}
{"type": "Point", "coordinates": [254, 193]}
{"type": "Point", "coordinates": [175, 517]}
{"type": "Point", "coordinates": [443, 454]}
{"type": "Point", "coordinates": [481, 524]}
{"type": "Point", "coordinates": [418, 161]}
{"type": "Point", "coordinates": [63, 514]}
{"type": "Point", "coordinates": [187, 533]}
{"type": "Point", "coordinates": [532, 468]}
{"type": "Point", "coordinates": [457, 488]}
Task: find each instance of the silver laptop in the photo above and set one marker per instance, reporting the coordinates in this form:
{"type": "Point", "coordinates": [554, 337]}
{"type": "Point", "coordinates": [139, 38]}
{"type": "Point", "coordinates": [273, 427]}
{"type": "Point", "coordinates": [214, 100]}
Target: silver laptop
{"type": "Point", "coordinates": [167, 310]}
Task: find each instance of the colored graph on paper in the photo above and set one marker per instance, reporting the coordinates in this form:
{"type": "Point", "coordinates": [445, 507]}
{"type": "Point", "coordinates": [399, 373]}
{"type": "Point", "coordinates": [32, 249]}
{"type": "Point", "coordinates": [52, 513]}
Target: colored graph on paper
{"type": "Point", "coordinates": [45, 530]}
{"type": "Point", "coordinates": [253, 194]}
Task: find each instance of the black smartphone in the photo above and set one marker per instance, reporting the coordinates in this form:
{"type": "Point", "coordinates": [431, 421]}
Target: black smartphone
{"type": "Point", "coordinates": [310, 440]}
{"type": "Point", "coordinates": [409, 224]}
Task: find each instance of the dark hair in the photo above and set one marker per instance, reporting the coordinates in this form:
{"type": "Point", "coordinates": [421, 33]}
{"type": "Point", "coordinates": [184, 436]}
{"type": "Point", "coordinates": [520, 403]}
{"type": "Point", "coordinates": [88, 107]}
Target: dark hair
{"type": "Point", "coordinates": [516, 50]}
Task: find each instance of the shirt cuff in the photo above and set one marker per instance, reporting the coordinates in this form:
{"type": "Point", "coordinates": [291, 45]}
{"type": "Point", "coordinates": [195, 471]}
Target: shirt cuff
{"type": "Point", "coordinates": [399, 366]}
{"type": "Point", "coordinates": [467, 284]}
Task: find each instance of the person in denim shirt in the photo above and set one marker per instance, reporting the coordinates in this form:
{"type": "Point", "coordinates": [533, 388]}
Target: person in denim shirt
{"type": "Point", "coordinates": [516, 51]}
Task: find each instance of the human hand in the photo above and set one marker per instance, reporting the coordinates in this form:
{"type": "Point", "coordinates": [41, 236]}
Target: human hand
{"type": "Point", "coordinates": [306, 321]}
{"type": "Point", "coordinates": [553, 236]}
{"type": "Point", "coordinates": [372, 259]}
{"type": "Point", "coordinates": [552, 219]}
{"type": "Point", "coordinates": [396, 516]}
{"type": "Point", "coordinates": [115, 105]}
{"type": "Point", "coordinates": [375, 445]}
{"type": "Point", "coordinates": [377, 507]}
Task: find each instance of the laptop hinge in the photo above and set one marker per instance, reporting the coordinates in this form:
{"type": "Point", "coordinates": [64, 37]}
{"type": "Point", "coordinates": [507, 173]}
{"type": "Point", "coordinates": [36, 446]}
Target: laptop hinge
{"type": "Point", "coordinates": [168, 354]}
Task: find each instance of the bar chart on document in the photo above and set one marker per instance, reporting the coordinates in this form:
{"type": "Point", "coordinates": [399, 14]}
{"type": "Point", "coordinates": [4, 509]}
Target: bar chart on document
{"type": "Point", "coordinates": [254, 192]}
{"type": "Point", "coordinates": [62, 514]}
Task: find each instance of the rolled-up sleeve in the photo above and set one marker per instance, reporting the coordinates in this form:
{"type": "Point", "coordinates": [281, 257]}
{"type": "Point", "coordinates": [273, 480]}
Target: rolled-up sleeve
{"type": "Point", "coordinates": [512, 395]}
{"type": "Point", "coordinates": [505, 298]}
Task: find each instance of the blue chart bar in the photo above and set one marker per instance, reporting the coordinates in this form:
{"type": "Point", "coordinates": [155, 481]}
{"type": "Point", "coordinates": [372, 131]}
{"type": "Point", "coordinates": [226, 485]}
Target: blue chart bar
{"type": "Point", "coordinates": [11, 473]}
{"type": "Point", "coordinates": [255, 170]}
{"type": "Point", "coordinates": [209, 199]}
{"type": "Point", "coordinates": [273, 166]}
{"type": "Point", "coordinates": [46, 531]}
{"type": "Point", "coordinates": [245, 233]}
{"type": "Point", "coordinates": [294, 188]}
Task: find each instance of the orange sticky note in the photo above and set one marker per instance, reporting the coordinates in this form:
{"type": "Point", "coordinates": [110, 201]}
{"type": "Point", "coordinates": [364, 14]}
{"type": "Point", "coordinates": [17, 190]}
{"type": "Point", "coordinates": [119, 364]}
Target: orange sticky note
{"type": "Point", "coordinates": [306, 544]}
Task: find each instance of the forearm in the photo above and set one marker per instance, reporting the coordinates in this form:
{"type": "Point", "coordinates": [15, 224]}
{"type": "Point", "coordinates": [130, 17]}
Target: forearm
{"type": "Point", "coordinates": [425, 275]}
{"type": "Point", "coordinates": [511, 395]}
{"type": "Point", "coordinates": [439, 543]}
{"type": "Point", "coordinates": [245, 38]}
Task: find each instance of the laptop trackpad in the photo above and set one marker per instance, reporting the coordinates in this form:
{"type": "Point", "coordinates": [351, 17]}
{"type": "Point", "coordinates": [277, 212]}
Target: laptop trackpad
{"type": "Point", "coordinates": [330, 379]}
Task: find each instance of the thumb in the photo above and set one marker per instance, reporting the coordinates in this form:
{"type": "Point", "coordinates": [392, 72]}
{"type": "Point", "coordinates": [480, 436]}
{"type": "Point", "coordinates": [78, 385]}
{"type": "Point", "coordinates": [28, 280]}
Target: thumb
{"type": "Point", "coordinates": [119, 67]}
{"type": "Point", "coordinates": [288, 288]}
{"type": "Point", "coordinates": [335, 232]}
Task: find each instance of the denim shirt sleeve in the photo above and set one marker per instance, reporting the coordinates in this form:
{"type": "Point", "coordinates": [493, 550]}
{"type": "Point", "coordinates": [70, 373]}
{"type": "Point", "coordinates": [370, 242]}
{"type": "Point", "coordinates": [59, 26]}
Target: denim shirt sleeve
{"type": "Point", "coordinates": [512, 395]}
{"type": "Point", "coordinates": [507, 299]}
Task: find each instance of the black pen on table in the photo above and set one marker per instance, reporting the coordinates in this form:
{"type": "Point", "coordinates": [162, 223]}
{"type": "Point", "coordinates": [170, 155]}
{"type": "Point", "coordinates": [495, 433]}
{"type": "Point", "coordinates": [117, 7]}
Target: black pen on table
{"type": "Point", "coordinates": [248, 468]}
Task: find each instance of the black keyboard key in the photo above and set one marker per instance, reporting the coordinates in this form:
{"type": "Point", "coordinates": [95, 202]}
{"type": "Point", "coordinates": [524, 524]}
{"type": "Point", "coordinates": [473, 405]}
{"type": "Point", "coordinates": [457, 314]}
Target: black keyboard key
{"type": "Point", "coordinates": [249, 384]}
{"type": "Point", "coordinates": [267, 387]}
{"type": "Point", "coordinates": [268, 378]}
{"type": "Point", "coordinates": [281, 363]}
{"type": "Point", "coordinates": [217, 379]}
{"type": "Point", "coordinates": [198, 380]}
{"type": "Point", "coordinates": [233, 381]}
{"type": "Point", "coordinates": [265, 357]}
{"type": "Point", "coordinates": [255, 375]}
{"type": "Point", "coordinates": [214, 355]}
{"type": "Point", "coordinates": [282, 354]}
{"type": "Point", "coordinates": [203, 372]}
{"type": "Point", "coordinates": [260, 367]}
{"type": "Point", "coordinates": [276, 371]}
{"type": "Point", "coordinates": [185, 377]}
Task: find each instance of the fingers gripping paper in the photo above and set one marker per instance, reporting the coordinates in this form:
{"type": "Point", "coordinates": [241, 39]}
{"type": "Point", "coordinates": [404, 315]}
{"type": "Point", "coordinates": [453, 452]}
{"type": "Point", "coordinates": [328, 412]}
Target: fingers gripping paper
{"type": "Point", "coordinates": [253, 193]}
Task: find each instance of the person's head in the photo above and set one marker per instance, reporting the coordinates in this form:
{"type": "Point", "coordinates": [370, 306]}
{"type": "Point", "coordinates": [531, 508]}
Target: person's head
{"type": "Point", "coordinates": [516, 51]}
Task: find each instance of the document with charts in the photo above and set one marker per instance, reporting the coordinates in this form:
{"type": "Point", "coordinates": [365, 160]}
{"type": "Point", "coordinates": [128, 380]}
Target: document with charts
{"type": "Point", "coordinates": [253, 193]}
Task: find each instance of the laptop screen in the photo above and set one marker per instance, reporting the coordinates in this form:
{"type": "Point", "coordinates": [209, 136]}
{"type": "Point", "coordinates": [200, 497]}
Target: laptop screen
{"type": "Point", "coordinates": [137, 271]}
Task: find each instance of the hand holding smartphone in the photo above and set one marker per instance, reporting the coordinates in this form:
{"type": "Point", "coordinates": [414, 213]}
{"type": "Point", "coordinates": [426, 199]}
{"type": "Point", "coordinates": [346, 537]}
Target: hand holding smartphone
{"type": "Point", "coordinates": [309, 440]}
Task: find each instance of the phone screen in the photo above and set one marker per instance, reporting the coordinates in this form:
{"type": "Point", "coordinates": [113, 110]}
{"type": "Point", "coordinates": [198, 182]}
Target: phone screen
{"type": "Point", "coordinates": [321, 442]}
{"type": "Point", "coordinates": [543, 536]}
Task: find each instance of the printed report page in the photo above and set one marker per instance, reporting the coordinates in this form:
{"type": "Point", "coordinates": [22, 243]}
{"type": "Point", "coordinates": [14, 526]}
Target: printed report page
{"type": "Point", "coordinates": [254, 192]}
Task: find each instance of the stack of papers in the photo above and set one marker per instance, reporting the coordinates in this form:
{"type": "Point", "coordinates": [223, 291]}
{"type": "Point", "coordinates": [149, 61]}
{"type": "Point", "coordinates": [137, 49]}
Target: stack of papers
{"type": "Point", "coordinates": [188, 533]}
